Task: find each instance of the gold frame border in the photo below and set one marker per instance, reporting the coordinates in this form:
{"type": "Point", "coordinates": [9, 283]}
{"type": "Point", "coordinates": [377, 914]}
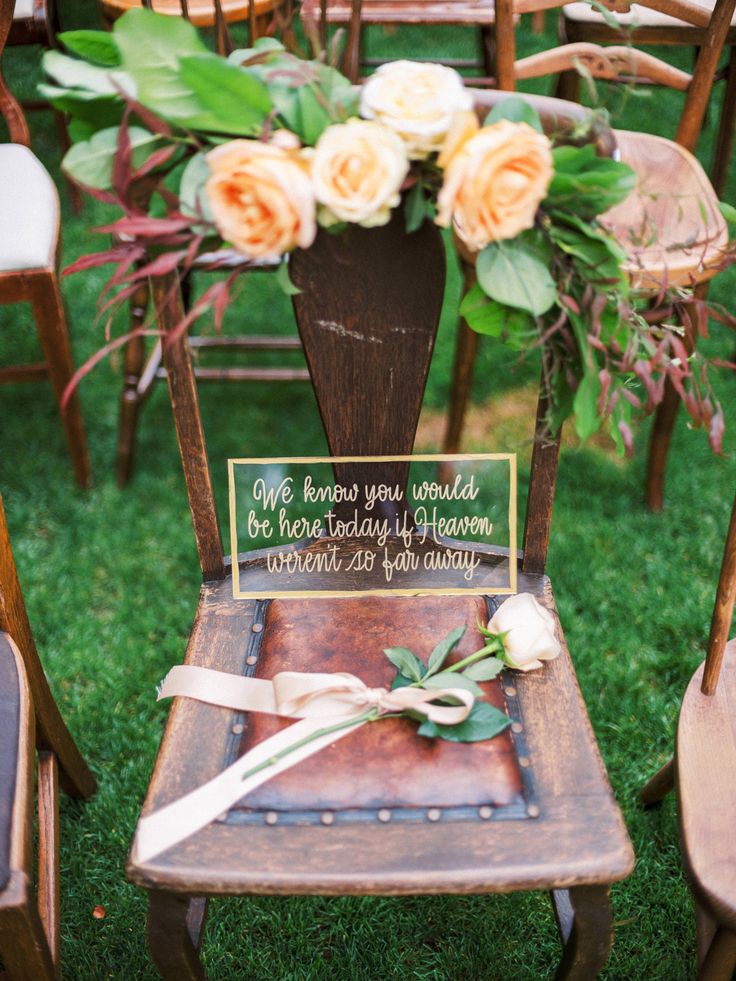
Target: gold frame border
{"type": "Point", "coordinates": [418, 458]}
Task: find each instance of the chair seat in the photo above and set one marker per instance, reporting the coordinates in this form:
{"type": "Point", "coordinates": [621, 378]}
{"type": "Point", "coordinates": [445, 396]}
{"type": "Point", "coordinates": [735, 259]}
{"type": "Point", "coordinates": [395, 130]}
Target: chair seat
{"type": "Point", "coordinates": [537, 797]}
{"type": "Point", "coordinates": [670, 225]}
{"type": "Point", "coordinates": [474, 12]}
{"type": "Point", "coordinates": [201, 13]}
{"type": "Point", "coordinates": [29, 211]}
{"type": "Point", "coordinates": [10, 724]}
{"type": "Point", "coordinates": [23, 9]}
{"type": "Point", "coordinates": [636, 17]}
{"type": "Point", "coordinates": [706, 788]}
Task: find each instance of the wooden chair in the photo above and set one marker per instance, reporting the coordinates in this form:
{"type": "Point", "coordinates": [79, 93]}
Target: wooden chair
{"type": "Point", "coordinates": [541, 811]}
{"type": "Point", "coordinates": [204, 13]}
{"type": "Point", "coordinates": [475, 14]}
{"type": "Point", "coordinates": [29, 245]}
{"type": "Point", "coordinates": [674, 200]}
{"type": "Point", "coordinates": [581, 22]}
{"type": "Point", "coordinates": [704, 773]}
{"type": "Point", "coordinates": [29, 720]}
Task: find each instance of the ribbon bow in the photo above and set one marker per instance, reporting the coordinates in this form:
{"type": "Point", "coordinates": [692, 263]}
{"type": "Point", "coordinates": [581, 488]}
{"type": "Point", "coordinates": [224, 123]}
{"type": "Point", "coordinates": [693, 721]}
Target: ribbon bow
{"type": "Point", "coordinates": [323, 703]}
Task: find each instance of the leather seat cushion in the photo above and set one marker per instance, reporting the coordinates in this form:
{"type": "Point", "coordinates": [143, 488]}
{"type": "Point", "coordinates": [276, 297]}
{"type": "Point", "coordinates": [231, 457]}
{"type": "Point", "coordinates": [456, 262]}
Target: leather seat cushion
{"type": "Point", "coordinates": [384, 764]}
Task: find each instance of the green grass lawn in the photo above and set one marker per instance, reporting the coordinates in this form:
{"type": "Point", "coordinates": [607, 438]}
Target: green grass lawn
{"type": "Point", "coordinates": [111, 577]}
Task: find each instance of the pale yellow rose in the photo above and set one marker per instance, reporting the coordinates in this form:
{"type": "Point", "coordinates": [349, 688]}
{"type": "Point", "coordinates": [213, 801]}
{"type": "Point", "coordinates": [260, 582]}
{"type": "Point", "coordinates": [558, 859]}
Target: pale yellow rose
{"type": "Point", "coordinates": [261, 197]}
{"type": "Point", "coordinates": [494, 181]}
{"type": "Point", "coordinates": [418, 101]}
{"type": "Point", "coordinates": [530, 632]}
{"type": "Point", "coordinates": [357, 171]}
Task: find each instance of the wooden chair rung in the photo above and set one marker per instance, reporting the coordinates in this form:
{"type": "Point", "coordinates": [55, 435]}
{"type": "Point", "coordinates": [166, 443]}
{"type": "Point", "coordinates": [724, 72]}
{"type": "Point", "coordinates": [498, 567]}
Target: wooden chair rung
{"type": "Point", "coordinates": [35, 371]}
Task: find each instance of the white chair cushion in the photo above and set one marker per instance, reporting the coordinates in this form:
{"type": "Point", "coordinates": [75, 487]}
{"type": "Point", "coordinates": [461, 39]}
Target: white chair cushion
{"type": "Point", "coordinates": [29, 210]}
{"type": "Point", "coordinates": [23, 9]}
{"type": "Point", "coordinates": [638, 16]}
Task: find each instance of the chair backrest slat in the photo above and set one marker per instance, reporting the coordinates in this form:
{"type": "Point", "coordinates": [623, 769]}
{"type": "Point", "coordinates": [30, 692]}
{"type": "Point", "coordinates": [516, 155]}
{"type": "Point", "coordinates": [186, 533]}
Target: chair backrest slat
{"type": "Point", "coordinates": [722, 611]}
{"type": "Point", "coordinates": [189, 432]}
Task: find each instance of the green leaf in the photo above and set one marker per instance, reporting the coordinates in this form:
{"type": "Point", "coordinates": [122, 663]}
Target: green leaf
{"type": "Point", "coordinates": [516, 109]}
{"type": "Point", "coordinates": [406, 662]}
{"type": "Point", "coordinates": [585, 405]}
{"type": "Point", "coordinates": [96, 46]}
{"type": "Point", "coordinates": [151, 46]}
{"type": "Point", "coordinates": [586, 184]}
{"type": "Point", "coordinates": [516, 328]}
{"type": "Point", "coordinates": [401, 681]}
{"type": "Point", "coordinates": [439, 655]}
{"type": "Point", "coordinates": [512, 273]}
{"type": "Point", "coordinates": [91, 162]}
{"type": "Point", "coordinates": [728, 211]}
{"type": "Point", "coordinates": [97, 111]}
{"type": "Point", "coordinates": [232, 100]}
{"type": "Point", "coordinates": [596, 250]}
{"type": "Point", "coordinates": [415, 208]}
{"type": "Point", "coordinates": [262, 44]}
{"type": "Point", "coordinates": [70, 73]}
{"type": "Point", "coordinates": [192, 198]}
{"type": "Point", "coordinates": [485, 670]}
{"type": "Point", "coordinates": [484, 722]}
{"type": "Point", "coordinates": [452, 679]}
{"type": "Point", "coordinates": [284, 280]}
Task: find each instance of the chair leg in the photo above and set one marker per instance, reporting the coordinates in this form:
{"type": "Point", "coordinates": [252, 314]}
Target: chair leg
{"type": "Point", "coordinates": [659, 785]}
{"type": "Point", "coordinates": [75, 194]}
{"type": "Point", "coordinates": [174, 932]}
{"type": "Point", "coordinates": [724, 143]}
{"type": "Point", "coordinates": [585, 923]}
{"type": "Point", "coordinates": [49, 895]}
{"type": "Point", "coordinates": [130, 398]}
{"type": "Point", "coordinates": [720, 960]}
{"type": "Point", "coordinates": [466, 346]}
{"type": "Point", "coordinates": [705, 928]}
{"type": "Point", "coordinates": [48, 310]}
{"type": "Point", "coordinates": [23, 946]}
{"type": "Point", "coordinates": [487, 44]}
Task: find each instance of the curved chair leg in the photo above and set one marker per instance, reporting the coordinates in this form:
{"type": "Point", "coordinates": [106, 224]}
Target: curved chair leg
{"type": "Point", "coordinates": [705, 928]}
{"type": "Point", "coordinates": [659, 785]}
{"type": "Point", "coordinates": [720, 960]}
{"type": "Point", "coordinates": [48, 311]}
{"type": "Point", "coordinates": [175, 925]}
{"type": "Point", "coordinates": [585, 923]}
{"type": "Point", "coordinates": [724, 143]}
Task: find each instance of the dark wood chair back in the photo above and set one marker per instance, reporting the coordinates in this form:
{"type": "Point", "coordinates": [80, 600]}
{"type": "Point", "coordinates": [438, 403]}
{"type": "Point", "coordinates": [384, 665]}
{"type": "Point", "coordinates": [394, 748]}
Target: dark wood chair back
{"type": "Point", "coordinates": [367, 313]}
{"type": "Point", "coordinates": [698, 86]}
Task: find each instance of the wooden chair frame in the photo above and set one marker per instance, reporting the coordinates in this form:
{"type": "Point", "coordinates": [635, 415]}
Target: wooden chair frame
{"type": "Point", "coordinates": [579, 844]}
{"type": "Point", "coordinates": [605, 62]}
{"type": "Point", "coordinates": [572, 32]}
{"type": "Point", "coordinates": [40, 288]}
{"type": "Point", "coordinates": [702, 773]}
{"type": "Point", "coordinates": [29, 925]}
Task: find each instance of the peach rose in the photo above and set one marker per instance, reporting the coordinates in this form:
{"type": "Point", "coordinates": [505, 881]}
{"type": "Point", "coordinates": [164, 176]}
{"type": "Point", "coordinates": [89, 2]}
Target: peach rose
{"type": "Point", "coordinates": [261, 197]}
{"type": "Point", "coordinates": [529, 630]}
{"type": "Point", "coordinates": [495, 179]}
{"type": "Point", "coordinates": [357, 170]}
{"type": "Point", "coordinates": [418, 101]}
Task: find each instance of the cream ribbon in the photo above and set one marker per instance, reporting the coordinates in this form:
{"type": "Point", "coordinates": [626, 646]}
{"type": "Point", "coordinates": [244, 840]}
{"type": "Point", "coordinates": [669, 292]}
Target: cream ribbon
{"type": "Point", "coordinates": [320, 701]}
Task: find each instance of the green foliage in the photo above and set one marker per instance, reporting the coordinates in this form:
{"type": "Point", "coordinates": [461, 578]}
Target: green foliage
{"type": "Point", "coordinates": [484, 722]}
{"type": "Point", "coordinates": [232, 101]}
{"type": "Point", "coordinates": [407, 662]}
{"type": "Point", "coordinates": [98, 47]}
{"type": "Point", "coordinates": [585, 184]}
{"type": "Point", "coordinates": [91, 161]}
{"type": "Point", "coordinates": [515, 274]}
{"type": "Point", "coordinates": [516, 109]}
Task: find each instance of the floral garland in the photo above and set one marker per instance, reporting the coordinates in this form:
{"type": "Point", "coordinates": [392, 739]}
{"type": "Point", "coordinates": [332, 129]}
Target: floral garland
{"type": "Point", "coordinates": [256, 151]}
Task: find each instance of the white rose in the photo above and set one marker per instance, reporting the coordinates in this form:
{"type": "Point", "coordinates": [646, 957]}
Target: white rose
{"type": "Point", "coordinates": [418, 101]}
{"type": "Point", "coordinates": [530, 632]}
{"type": "Point", "coordinates": [357, 172]}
